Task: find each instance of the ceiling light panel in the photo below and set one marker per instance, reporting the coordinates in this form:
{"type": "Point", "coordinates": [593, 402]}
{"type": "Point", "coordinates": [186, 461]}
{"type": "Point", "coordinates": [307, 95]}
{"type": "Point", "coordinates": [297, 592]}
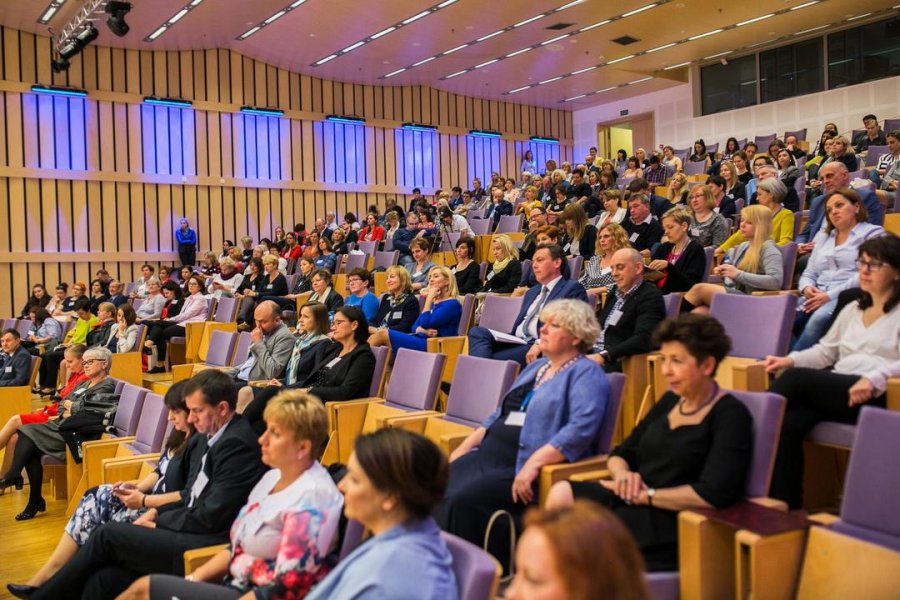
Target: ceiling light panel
{"type": "Point", "coordinates": [567, 35]}
{"type": "Point", "coordinates": [387, 30]}
{"type": "Point", "coordinates": [266, 22]}
{"type": "Point", "coordinates": [669, 45]}
{"type": "Point", "coordinates": [50, 11]}
{"type": "Point", "coordinates": [506, 29]}
{"type": "Point", "coordinates": [170, 22]}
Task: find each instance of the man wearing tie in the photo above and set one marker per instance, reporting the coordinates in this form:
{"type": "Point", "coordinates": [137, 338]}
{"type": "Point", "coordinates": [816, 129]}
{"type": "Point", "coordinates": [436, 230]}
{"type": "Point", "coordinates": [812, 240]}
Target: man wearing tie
{"type": "Point", "coordinates": [116, 554]}
{"type": "Point", "coordinates": [547, 265]}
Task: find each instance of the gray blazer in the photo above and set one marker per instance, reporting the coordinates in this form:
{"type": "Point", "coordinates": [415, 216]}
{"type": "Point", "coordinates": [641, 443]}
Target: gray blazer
{"type": "Point", "coordinates": [272, 354]}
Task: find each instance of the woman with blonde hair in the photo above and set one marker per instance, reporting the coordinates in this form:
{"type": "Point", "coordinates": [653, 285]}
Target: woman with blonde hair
{"type": "Point", "coordinates": [679, 189]}
{"type": "Point", "coordinates": [531, 201]}
{"type": "Point", "coordinates": [580, 236]}
{"type": "Point", "coordinates": [578, 553]}
{"type": "Point", "coordinates": [597, 276]}
{"type": "Point", "coordinates": [752, 266]}
{"type": "Point", "coordinates": [439, 317]}
{"type": "Point", "coordinates": [733, 185]}
{"type": "Point", "coordinates": [770, 193]}
{"type": "Point", "coordinates": [506, 270]}
{"type": "Point", "coordinates": [399, 307]}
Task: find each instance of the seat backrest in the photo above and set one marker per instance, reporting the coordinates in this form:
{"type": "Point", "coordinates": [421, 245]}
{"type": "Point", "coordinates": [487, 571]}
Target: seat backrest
{"type": "Point", "coordinates": [872, 486]}
{"type": "Point", "coordinates": [35, 366]}
{"type": "Point", "coordinates": [449, 242]}
{"type": "Point", "coordinates": [381, 359]}
{"type": "Point", "coordinates": [242, 349]}
{"type": "Point", "coordinates": [478, 386]}
{"type": "Point", "coordinates": [414, 381]}
{"type": "Point", "coordinates": [480, 226]}
{"type": "Point", "coordinates": [694, 167]}
{"type": "Point", "coordinates": [788, 263]}
{"type": "Point", "coordinates": [357, 261]}
{"type": "Point", "coordinates": [9, 324]}
{"type": "Point", "coordinates": [757, 325]}
{"type": "Point", "coordinates": [763, 141]}
{"type": "Point", "coordinates": [141, 336]}
{"type": "Point", "coordinates": [23, 325]}
{"type": "Point", "coordinates": [128, 412]}
{"type": "Point", "coordinates": [890, 125]}
{"type": "Point", "coordinates": [368, 247]}
{"type": "Point", "coordinates": [800, 134]}
{"type": "Point", "coordinates": [468, 310]}
{"type": "Point", "coordinates": [673, 304]}
{"type": "Point", "coordinates": [611, 415]}
{"type": "Point", "coordinates": [477, 572]}
{"type": "Point", "coordinates": [575, 264]}
{"type": "Point", "coordinates": [873, 153]}
{"type": "Point", "coordinates": [136, 303]}
{"type": "Point", "coordinates": [767, 411]}
{"type": "Point", "coordinates": [119, 385]}
{"type": "Point", "coordinates": [386, 259]}
{"type": "Point", "coordinates": [500, 312]}
{"type": "Point", "coordinates": [509, 224]}
{"type": "Point", "coordinates": [482, 270]}
{"type": "Point", "coordinates": [353, 537]}
{"type": "Point", "coordinates": [712, 149]}
{"type": "Point", "coordinates": [151, 427]}
{"type": "Point", "coordinates": [221, 345]}
{"type": "Point", "coordinates": [710, 253]}
{"type": "Point", "coordinates": [226, 310]}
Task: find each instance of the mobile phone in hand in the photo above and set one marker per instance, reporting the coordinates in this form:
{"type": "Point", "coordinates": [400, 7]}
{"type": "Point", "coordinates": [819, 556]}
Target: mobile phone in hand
{"type": "Point", "coordinates": [124, 486]}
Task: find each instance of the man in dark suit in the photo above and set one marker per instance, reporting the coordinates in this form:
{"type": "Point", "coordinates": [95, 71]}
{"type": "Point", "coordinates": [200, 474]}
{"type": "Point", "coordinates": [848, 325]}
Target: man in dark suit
{"type": "Point", "coordinates": [631, 313]}
{"type": "Point", "coordinates": [791, 200]}
{"type": "Point", "coordinates": [15, 370]}
{"type": "Point", "coordinates": [547, 264]}
{"type": "Point", "coordinates": [115, 293]}
{"type": "Point", "coordinates": [644, 232]}
{"type": "Point", "coordinates": [118, 553]}
{"type": "Point", "coordinates": [658, 204]}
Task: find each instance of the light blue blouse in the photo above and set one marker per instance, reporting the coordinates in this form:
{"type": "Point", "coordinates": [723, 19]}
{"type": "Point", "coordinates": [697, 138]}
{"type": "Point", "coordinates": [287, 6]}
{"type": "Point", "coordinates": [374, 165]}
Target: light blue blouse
{"type": "Point", "coordinates": [566, 412]}
{"type": "Point", "coordinates": [407, 562]}
{"type": "Point", "coordinates": [832, 268]}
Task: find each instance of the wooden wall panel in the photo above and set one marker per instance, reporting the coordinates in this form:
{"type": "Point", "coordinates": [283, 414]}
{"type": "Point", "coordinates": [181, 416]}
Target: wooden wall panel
{"type": "Point", "coordinates": [102, 181]}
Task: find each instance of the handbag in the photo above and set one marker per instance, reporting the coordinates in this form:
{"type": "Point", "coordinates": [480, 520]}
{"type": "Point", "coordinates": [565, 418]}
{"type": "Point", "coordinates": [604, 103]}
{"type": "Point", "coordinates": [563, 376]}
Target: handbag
{"type": "Point", "coordinates": [79, 428]}
{"type": "Point", "coordinates": [497, 516]}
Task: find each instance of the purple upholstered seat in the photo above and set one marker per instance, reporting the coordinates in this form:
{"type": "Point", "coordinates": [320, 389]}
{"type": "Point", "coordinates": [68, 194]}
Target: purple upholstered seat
{"type": "Point", "coordinates": [384, 260]}
{"type": "Point", "coordinates": [478, 386]}
{"type": "Point", "coordinates": [575, 264]}
{"type": "Point", "coordinates": [414, 381]}
{"type": "Point", "coordinates": [381, 359]}
{"type": "Point", "coordinates": [694, 167]}
{"type": "Point", "coordinates": [226, 310]}
{"type": "Point", "coordinates": [151, 428]}
{"type": "Point", "coordinates": [663, 586]}
{"type": "Point", "coordinates": [788, 263]}
{"type": "Point", "coordinates": [22, 326]}
{"type": "Point", "coordinates": [353, 535]}
{"type": "Point", "coordinates": [757, 325]}
{"type": "Point", "coordinates": [767, 411]}
{"type": "Point", "coordinates": [221, 346]}
{"type": "Point", "coordinates": [476, 571]}
{"type": "Point", "coordinates": [829, 433]}
{"type": "Point", "coordinates": [800, 134]}
{"type": "Point", "coordinates": [500, 312]}
{"type": "Point", "coordinates": [368, 247]}
{"type": "Point", "coordinates": [509, 224]}
{"type": "Point", "coordinates": [356, 261]}
{"type": "Point", "coordinates": [709, 252]}
{"type": "Point", "coordinates": [673, 304]}
{"type": "Point", "coordinates": [475, 213]}
{"type": "Point", "coordinates": [242, 349]}
{"type": "Point", "coordinates": [763, 141]}
{"type": "Point", "coordinates": [480, 226]}
{"type": "Point", "coordinates": [465, 319]}
{"type": "Point", "coordinates": [611, 415]}
{"type": "Point", "coordinates": [869, 507]}
{"type": "Point", "coordinates": [119, 385]}
{"type": "Point", "coordinates": [128, 412]}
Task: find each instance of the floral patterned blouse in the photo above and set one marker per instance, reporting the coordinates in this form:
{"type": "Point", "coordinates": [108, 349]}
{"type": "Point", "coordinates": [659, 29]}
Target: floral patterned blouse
{"type": "Point", "coordinates": [280, 541]}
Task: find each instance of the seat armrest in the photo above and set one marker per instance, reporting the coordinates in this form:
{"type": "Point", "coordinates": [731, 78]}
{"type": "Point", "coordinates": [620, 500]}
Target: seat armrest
{"type": "Point", "coordinates": [196, 558]}
{"type": "Point", "coordinates": [824, 519]}
{"type": "Point", "coordinates": [893, 394]}
{"type": "Point", "coordinates": [449, 442]}
{"type": "Point", "coordinates": [331, 408]}
{"type": "Point", "coordinates": [414, 422]}
{"type": "Point", "coordinates": [550, 474]}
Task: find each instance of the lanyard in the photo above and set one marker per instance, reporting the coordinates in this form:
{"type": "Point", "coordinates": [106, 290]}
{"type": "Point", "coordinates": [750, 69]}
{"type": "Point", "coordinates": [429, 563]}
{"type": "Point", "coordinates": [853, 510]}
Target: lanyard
{"type": "Point", "coordinates": [539, 380]}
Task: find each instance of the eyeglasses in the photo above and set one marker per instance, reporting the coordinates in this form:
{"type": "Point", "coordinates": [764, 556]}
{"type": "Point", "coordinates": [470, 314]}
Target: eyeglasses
{"type": "Point", "coordinates": [336, 322]}
{"type": "Point", "coordinates": [869, 265]}
{"type": "Point", "coordinates": [89, 362]}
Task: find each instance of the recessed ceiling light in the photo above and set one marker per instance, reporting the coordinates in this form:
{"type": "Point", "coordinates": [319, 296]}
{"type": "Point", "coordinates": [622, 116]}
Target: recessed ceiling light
{"type": "Point", "coordinates": [397, 72]}
{"type": "Point", "coordinates": [639, 80]}
{"type": "Point", "coordinates": [180, 14]}
{"type": "Point", "coordinates": [658, 48]}
{"type": "Point", "coordinates": [556, 39]}
{"type": "Point", "coordinates": [678, 66]}
{"type": "Point", "coordinates": [707, 34]}
{"type": "Point", "coordinates": [811, 29]}
{"type": "Point", "coordinates": [265, 23]}
{"type": "Point", "coordinates": [452, 50]}
{"type": "Point", "coordinates": [580, 71]}
{"type": "Point", "coordinates": [416, 17]}
{"type": "Point", "coordinates": [610, 88]}
{"type": "Point", "coordinates": [383, 32]}
{"type": "Point", "coordinates": [484, 64]}
{"type": "Point", "coordinates": [550, 80]}
{"type": "Point", "coordinates": [422, 62]}
{"type": "Point", "coordinates": [859, 16]}
{"type": "Point", "coordinates": [618, 60]}
{"type": "Point", "coordinates": [804, 5]}
{"type": "Point", "coordinates": [490, 35]}
{"type": "Point", "coordinates": [458, 73]}
{"type": "Point", "coordinates": [527, 21]}
{"type": "Point", "coordinates": [755, 20]}
{"type": "Point", "coordinates": [575, 97]}
{"type": "Point", "coordinates": [518, 52]}
{"type": "Point", "coordinates": [524, 87]}
{"type": "Point", "coordinates": [718, 55]}
{"type": "Point", "coordinates": [594, 26]}
{"type": "Point", "coordinates": [638, 10]}
{"type": "Point", "coordinates": [51, 10]}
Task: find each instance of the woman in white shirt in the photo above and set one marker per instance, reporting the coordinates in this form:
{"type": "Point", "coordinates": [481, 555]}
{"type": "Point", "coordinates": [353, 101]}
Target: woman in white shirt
{"type": "Point", "coordinates": [862, 349]}
{"type": "Point", "coordinates": [612, 210]}
{"type": "Point", "coordinates": [282, 536]}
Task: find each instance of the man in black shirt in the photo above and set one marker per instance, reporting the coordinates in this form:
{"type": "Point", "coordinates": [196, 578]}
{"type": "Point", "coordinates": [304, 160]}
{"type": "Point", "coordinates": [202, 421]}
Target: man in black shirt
{"type": "Point", "coordinates": [580, 190]}
{"type": "Point", "coordinates": [643, 230]}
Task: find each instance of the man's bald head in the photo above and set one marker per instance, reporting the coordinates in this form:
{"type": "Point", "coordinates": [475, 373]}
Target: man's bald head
{"type": "Point", "coordinates": [267, 316]}
{"type": "Point", "coordinates": [834, 175]}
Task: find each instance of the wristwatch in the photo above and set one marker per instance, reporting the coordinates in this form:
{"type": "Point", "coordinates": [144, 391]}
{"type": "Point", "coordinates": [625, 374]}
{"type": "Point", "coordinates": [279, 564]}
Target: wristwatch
{"type": "Point", "coordinates": [650, 493]}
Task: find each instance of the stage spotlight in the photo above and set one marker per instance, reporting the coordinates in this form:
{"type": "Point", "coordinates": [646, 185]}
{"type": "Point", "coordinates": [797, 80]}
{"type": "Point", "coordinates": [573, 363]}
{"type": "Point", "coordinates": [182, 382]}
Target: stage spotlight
{"type": "Point", "coordinates": [116, 21]}
{"type": "Point", "coordinates": [86, 36]}
{"type": "Point", "coordinates": [60, 64]}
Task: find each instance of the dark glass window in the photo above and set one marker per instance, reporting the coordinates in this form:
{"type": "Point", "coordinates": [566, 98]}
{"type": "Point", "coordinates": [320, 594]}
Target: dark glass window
{"type": "Point", "coordinates": [864, 53]}
{"type": "Point", "coordinates": [791, 71]}
{"type": "Point", "coordinates": [728, 86]}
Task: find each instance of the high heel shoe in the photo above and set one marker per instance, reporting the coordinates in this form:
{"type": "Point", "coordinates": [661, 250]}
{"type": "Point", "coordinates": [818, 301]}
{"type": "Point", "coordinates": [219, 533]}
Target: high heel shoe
{"type": "Point", "coordinates": [21, 590]}
{"type": "Point", "coordinates": [16, 482]}
{"type": "Point", "coordinates": [31, 512]}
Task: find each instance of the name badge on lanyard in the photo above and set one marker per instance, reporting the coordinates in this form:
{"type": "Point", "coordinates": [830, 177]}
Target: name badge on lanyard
{"type": "Point", "coordinates": [614, 317]}
{"type": "Point", "coordinates": [516, 418]}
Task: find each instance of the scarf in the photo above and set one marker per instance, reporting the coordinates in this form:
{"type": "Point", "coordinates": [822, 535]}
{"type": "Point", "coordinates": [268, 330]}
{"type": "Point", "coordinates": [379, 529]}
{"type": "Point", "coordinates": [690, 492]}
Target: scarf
{"type": "Point", "coordinates": [499, 265]}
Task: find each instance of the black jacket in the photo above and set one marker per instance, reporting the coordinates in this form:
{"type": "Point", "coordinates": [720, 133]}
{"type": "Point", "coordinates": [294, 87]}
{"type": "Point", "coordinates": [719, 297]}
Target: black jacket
{"type": "Point", "coordinates": [648, 234]}
{"type": "Point", "coordinates": [641, 313]}
{"type": "Point", "coordinates": [347, 379]}
{"type": "Point", "coordinates": [684, 272]}
{"type": "Point", "coordinates": [400, 318]}
{"type": "Point", "coordinates": [586, 245]}
{"type": "Point", "coordinates": [468, 280]}
{"type": "Point", "coordinates": [99, 335]}
{"type": "Point", "coordinates": [503, 282]}
{"type": "Point", "coordinates": [233, 467]}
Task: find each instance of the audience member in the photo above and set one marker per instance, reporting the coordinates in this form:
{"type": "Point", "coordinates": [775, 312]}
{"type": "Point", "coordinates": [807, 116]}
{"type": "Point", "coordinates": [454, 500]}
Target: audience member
{"type": "Point", "coordinates": [551, 414]}
{"type": "Point", "coordinates": [399, 308]}
{"type": "Point", "coordinates": [39, 297]}
{"type": "Point", "coordinates": [725, 205]}
{"type": "Point", "coordinates": [270, 347]}
{"type": "Point", "coordinates": [421, 265]}
{"type": "Point", "coordinates": [273, 284]}
{"type": "Point", "coordinates": [115, 292]}
{"type": "Point", "coordinates": [50, 361]}
{"type": "Point", "coordinates": [644, 232]}
{"type": "Point", "coordinates": [323, 292]}
{"type": "Point", "coordinates": [629, 317]}
{"type": "Point", "coordinates": [580, 236]}
{"type": "Point", "coordinates": [708, 227]}
{"type": "Point", "coordinates": [872, 136]}
{"type": "Point", "coordinates": [734, 188]}
{"type": "Point", "coordinates": [466, 271]}
{"type": "Point", "coordinates": [506, 270]}
{"type": "Point", "coordinates": [546, 266]}
{"type": "Point", "coordinates": [612, 209]}
{"type": "Point", "coordinates": [596, 276]}
{"type": "Point", "coordinates": [16, 366]}
{"type": "Point", "coordinates": [754, 265]}
{"type": "Point", "coordinates": [680, 262]}
{"type": "Point", "coordinates": [44, 331]}
{"type": "Point", "coordinates": [195, 310]}
{"type": "Point", "coordinates": [123, 335]}
{"type": "Point", "coordinates": [846, 369]}
{"type": "Point", "coordinates": [770, 193]}
{"type": "Point", "coordinates": [658, 204]}
{"type": "Point", "coordinates": [691, 451]}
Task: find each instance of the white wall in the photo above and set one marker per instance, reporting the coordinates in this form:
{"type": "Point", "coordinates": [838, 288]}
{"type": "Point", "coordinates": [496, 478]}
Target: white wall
{"type": "Point", "coordinates": [676, 125]}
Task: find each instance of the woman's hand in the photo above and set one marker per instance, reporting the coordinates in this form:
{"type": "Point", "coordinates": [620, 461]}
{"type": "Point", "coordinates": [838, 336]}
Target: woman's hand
{"type": "Point", "coordinates": [521, 487]}
{"type": "Point", "coordinates": [726, 270]}
{"type": "Point", "coordinates": [658, 265]}
{"type": "Point", "coordinates": [815, 299]}
{"type": "Point", "coordinates": [275, 382]}
{"type": "Point", "coordinates": [627, 485]}
{"type": "Point", "coordinates": [777, 363]}
{"type": "Point", "coordinates": [130, 497]}
{"type": "Point", "coordinates": [861, 392]}
{"type": "Point", "coordinates": [148, 519]}
{"type": "Point", "coordinates": [533, 354]}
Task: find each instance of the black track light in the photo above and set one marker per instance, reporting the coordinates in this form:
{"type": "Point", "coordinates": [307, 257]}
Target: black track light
{"type": "Point", "coordinates": [116, 21]}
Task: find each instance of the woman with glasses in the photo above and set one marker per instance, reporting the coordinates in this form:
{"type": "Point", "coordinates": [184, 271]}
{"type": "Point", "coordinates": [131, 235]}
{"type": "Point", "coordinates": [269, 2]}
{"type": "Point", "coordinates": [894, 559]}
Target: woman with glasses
{"type": "Point", "coordinates": [846, 369]}
{"type": "Point", "coordinates": [66, 308]}
{"type": "Point", "coordinates": [195, 310]}
{"type": "Point", "coordinates": [93, 397]}
{"type": "Point", "coordinates": [707, 227]}
{"type": "Point", "coordinates": [358, 283]}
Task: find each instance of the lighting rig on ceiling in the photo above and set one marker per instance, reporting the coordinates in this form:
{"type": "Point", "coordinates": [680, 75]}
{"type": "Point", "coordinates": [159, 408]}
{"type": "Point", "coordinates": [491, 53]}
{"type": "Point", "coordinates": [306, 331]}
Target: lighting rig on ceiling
{"type": "Point", "coordinates": [79, 32]}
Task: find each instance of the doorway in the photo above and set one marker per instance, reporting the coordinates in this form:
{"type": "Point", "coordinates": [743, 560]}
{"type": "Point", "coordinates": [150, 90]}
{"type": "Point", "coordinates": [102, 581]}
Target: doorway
{"type": "Point", "coordinates": [627, 133]}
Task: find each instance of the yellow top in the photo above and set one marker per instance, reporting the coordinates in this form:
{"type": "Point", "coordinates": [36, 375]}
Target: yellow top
{"type": "Point", "coordinates": [782, 231]}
